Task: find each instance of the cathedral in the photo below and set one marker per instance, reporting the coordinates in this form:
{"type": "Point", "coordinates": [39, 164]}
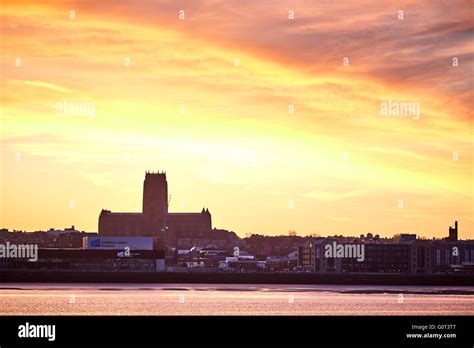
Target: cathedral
{"type": "Point", "coordinates": [155, 220]}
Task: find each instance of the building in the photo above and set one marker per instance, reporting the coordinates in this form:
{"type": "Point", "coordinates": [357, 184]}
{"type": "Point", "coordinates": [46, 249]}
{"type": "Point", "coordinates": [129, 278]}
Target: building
{"type": "Point", "coordinates": [93, 260]}
{"type": "Point", "coordinates": [404, 254]}
{"type": "Point", "coordinates": [155, 220]}
{"type": "Point", "coordinates": [450, 256]}
{"type": "Point", "coordinates": [377, 257]}
{"type": "Point", "coordinates": [421, 257]}
{"type": "Point", "coordinates": [307, 254]}
{"type": "Point", "coordinates": [237, 264]}
{"type": "Point", "coordinates": [404, 237]}
{"type": "Point", "coordinates": [453, 232]}
{"type": "Point", "coordinates": [117, 243]}
{"type": "Point", "coordinates": [53, 238]}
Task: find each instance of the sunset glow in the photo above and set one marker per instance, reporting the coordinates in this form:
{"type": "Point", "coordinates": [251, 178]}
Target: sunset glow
{"type": "Point", "coordinates": [252, 114]}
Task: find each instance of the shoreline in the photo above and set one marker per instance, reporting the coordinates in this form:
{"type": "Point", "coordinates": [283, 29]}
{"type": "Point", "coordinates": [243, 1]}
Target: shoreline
{"type": "Point", "coordinates": [236, 278]}
{"type": "Point", "coordinates": [267, 288]}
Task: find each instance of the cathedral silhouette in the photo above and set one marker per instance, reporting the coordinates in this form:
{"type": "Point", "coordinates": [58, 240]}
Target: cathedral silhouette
{"type": "Point", "coordinates": [155, 220]}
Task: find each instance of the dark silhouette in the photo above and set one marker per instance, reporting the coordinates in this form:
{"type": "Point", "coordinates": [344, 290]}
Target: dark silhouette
{"type": "Point", "coordinates": [155, 220]}
{"type": "Point", "coordinates": [453, 232]}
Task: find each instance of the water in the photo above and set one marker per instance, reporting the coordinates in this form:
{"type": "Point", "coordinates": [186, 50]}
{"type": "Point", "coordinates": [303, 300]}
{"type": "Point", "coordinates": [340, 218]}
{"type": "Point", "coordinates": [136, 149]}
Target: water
{"type": "Point", "coordinates": [232, 299]}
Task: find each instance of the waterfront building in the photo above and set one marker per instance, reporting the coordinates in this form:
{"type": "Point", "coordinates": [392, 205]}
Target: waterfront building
{"type": "Point", "coordinates": [404, 254]}
{"type": "Point", "coordinates": [93, 260]}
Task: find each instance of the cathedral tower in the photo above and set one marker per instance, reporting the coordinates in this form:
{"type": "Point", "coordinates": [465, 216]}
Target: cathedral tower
{"type": "Point", "coordinates": [155, 196]}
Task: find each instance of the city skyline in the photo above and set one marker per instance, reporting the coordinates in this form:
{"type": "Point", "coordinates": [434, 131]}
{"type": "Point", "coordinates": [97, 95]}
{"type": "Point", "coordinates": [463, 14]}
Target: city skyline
{"type": "Point", "coordinates": [195, 224]}
{"type": "Point", "coordinates": [297, 128]}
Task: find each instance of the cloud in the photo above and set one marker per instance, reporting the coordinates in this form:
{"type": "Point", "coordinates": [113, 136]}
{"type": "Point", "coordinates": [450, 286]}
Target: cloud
{"type": "Point", "coordinates": [233, 113]}
{"type": "Point", "coordinates": [47, 85]}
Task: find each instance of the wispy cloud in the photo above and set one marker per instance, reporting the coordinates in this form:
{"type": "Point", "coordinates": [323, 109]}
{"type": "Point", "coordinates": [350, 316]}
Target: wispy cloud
{"type": "Point", "coordinates": [47, 85]}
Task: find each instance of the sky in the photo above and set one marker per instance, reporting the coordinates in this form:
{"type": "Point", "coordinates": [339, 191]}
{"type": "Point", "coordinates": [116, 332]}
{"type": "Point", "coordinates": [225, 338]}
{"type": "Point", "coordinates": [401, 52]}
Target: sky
{"type": "Point", "coordinates": [276, 116]}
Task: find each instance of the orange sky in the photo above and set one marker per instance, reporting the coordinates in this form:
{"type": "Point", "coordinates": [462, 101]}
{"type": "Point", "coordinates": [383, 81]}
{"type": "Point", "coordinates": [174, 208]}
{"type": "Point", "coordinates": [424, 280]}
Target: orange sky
{"type": "Point", "coordinates": [167, 95]}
